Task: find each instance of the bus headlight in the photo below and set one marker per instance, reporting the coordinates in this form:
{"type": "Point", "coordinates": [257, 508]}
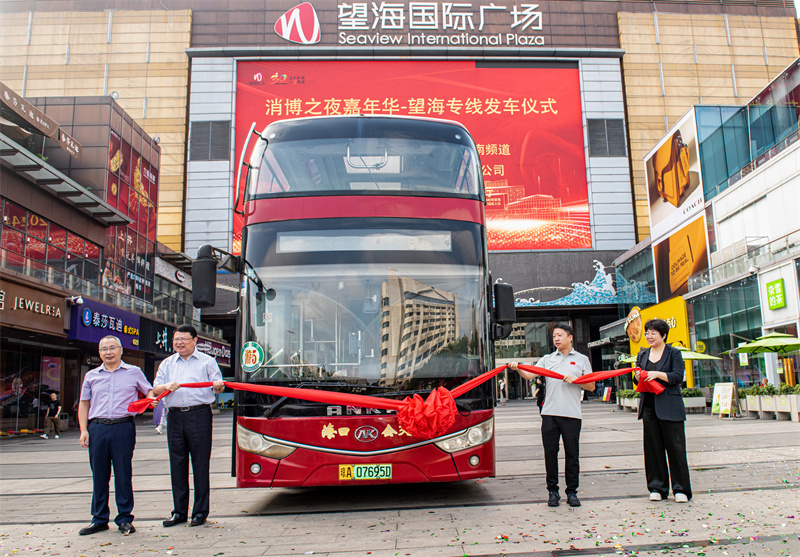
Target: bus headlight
{"type": "Point", "coordinates": [474, 436]}
{"type": "Point", "coordinates": [255, 443]}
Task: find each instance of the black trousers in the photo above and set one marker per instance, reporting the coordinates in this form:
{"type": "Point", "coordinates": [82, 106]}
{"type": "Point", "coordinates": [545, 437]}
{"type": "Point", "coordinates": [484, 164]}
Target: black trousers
{"type": "Point", "coordinates": [112, 446]}
{"type": "Point", "coordinates": [665, 441]}
{"type": "Point", "coordinates": [189, 436]}
{"type": "Point", "coordinates": [569, 431]}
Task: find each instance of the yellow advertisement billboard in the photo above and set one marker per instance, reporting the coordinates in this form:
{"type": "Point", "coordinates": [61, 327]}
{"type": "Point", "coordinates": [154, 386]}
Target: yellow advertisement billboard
{"type": "Point", "coordinates": [673, 311]}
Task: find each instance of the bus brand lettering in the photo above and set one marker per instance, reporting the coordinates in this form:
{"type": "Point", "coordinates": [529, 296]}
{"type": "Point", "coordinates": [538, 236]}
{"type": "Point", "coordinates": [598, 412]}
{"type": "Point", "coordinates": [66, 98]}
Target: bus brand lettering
{"type": "Point", "coordinates": [366, 433]}
{"type": "Point", "coordinates": [355, 411]}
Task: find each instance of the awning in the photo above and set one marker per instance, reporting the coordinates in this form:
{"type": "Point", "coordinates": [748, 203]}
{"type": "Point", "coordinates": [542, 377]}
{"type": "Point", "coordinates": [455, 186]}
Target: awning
{"type": "Point", "coordinates": [35, 170]}
{"type": "Point", "coordinates": [179, 260]}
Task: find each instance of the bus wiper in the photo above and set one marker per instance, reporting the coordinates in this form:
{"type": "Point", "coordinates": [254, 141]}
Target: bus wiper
{"type": "Point", "coordinates": [364, 165]}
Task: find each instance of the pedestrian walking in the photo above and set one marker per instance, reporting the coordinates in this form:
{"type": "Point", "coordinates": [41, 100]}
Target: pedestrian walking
{"type": "Point", "coordinates": [189, 431]}
{"type": "Point", "coordinates": [51, 416]}
{"type": "Point", "coordinates": [663, 416]}
{"type": "Point", "coordinates": [160, 417]}
{"type": "Point", "coordinates": [108, 431]}
{"type": "Point", "coordinates": [561, 413]}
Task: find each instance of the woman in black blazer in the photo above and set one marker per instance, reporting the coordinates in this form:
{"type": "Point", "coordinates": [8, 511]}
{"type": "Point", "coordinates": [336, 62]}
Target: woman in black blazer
{"type": "Point", "coordinates": [663, 415]}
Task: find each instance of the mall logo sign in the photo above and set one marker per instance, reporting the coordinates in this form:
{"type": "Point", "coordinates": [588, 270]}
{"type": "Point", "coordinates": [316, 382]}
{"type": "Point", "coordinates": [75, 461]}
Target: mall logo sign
{"type": "Point", "coordinates": [299, 25]}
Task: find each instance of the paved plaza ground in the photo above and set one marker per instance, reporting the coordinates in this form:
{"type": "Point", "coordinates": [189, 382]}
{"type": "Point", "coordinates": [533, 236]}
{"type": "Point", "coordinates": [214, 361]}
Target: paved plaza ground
{"type": "Point", "coordinates": [745, 477]}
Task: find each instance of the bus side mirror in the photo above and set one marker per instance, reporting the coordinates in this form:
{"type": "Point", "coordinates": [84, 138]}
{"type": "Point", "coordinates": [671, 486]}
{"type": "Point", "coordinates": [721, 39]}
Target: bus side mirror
{"type": "Point", "coordinates": [505, 314]}
{"type": "Point", "coordinates": [204, 278]}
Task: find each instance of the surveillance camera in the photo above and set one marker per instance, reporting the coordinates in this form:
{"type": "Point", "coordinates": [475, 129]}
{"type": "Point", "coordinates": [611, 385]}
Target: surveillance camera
{"type": "Point", "coordinates": [752, 270]}
{"type": "Point", "coordinates": [75, 300]}
{"type": "Point", "coordinates": [156, 140]}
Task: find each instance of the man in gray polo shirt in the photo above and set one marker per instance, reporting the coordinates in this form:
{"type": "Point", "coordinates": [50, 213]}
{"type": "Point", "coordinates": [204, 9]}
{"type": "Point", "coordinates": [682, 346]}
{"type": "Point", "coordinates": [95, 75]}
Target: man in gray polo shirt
{"type": "Point", "coordinates": [561, 413]}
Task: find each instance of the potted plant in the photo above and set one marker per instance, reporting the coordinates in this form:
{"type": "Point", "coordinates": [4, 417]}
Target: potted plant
{"type": "Point", "coordinates": [786, 402]}
{"type": "Point", "coordinates": [753, 402]}
{"type": "Point", "coordinates": [743, 401]}
{"type": "Point", "coordinates": [694, 398]}
{"type": "Point", "coordinates": [766, 394]}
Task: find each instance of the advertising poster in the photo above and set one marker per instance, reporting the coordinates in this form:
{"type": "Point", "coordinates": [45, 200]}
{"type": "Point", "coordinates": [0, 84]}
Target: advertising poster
{"type": "Point", "coordinates": [672, 311]}
{"type": "Point", "coordinates": [674, 185]}
{"type": "Point", "coordinates": [525, 119]}
{"type": "Point", "coordinates": [683, 254]}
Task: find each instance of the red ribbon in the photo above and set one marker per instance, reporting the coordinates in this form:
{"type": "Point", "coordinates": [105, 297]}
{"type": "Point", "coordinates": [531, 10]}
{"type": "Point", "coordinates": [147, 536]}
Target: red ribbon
{"type": "Point", "coordinates": [648, 386]}
{"type": "Point", "coordinates": [424, 419]}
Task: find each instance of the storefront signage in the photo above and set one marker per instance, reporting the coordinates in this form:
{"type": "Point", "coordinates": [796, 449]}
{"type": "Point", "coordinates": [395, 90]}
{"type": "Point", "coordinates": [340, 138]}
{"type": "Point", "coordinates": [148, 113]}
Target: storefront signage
{"type": "Point", "coordinates": [157, 337]}
{"type": "Point", "coordinates": [415, 24]}
{"type": "Point", "coordinates": [217, 350]}
{"type": "Point", "coordinates": [30, 113]}
{"type": "Point", "coordinates": [92, 321]}
{"type": "Point", "coordinates": [31, 309]}
{"type": "Point", "coordinates": [776, 294]}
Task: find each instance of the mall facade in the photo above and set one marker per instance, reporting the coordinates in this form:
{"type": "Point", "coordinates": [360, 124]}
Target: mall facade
{"type": "Point", "coordinates": [564, 100]}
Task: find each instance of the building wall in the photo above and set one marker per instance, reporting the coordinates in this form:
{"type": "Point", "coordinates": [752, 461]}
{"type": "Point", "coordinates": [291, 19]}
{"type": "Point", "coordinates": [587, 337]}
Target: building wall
{"type": "Point", "coordinates": [209, 191]}
{"type": "Point", "coordinates": [139, 54]}
{"type": "Point", "coordinates": [608, 178]}
{"type": "Point", "coordinates": [673, 61]}
{"type": "Point", "coordinates": [764, 204]}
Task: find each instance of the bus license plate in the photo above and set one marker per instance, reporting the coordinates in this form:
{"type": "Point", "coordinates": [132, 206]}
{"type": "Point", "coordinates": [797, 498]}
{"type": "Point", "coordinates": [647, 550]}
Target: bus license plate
{"type": "Point", "coordinates": [365, 472]}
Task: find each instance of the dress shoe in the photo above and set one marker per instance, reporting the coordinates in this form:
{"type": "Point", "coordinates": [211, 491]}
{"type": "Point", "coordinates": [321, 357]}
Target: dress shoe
{"type": "Point", "coordinates": [173, 520]}
{"type": "Point", "coordinates": [554, 499]}
{"type": "Point", "coordinates": [198, 520]}
{"type": "Point", "coordinates": [572, 500]}
{"type": "Point", "coordinates": [93, 528]}
{"type": "Point", "coordinates": [126, 528]}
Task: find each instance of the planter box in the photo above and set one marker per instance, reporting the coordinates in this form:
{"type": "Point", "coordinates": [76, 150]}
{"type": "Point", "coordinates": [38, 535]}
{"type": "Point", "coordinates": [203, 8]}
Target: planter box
{"type": "Point", "coordinates": [626, 402]}
{"type": "Point", "coordinates": [695, 404]}
{"type": "Point", "coordinates": [787, 407]}
{"type": "Point", "coordinates": [635, 405]}
{"type": "Point", "coordinates": [768, 408]}
{"type": "Point", "coordinates": [743, 406]}
{"type": "Point", "coordinates": [753, 406]}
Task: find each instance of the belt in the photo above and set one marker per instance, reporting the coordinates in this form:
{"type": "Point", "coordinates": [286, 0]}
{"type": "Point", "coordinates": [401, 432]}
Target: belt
{"type": "Point", "coordinates": [111, 421]}
{"type": "Point", "coordinates": [187, 408]}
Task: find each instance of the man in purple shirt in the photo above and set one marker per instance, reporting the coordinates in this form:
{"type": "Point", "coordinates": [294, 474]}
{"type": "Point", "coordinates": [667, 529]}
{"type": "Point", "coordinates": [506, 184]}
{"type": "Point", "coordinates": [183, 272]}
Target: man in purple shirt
{"type": "Point", "coordinates": [108, 431]}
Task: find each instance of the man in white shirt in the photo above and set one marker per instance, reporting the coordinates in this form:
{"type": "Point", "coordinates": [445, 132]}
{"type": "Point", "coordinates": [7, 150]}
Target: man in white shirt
{"type": "Point", "coordinates": [561, 413]}
{"type": "Point", "coordinates": [189, 431]}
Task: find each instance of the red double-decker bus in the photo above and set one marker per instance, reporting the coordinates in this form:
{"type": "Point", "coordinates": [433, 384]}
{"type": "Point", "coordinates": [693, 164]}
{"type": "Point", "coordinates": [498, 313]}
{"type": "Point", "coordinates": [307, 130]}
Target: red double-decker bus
{"type": "Point", "coordinates": [364, 263]}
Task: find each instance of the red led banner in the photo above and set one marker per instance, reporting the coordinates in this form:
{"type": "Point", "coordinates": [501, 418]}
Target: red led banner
{"type": "Point", "coordinates": [526, 122]}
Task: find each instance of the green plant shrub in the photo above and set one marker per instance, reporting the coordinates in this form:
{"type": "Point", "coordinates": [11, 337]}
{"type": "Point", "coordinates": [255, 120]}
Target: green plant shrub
{"type": "Point", "coordinates": [785, 389]}
{"type": "Point", "coordinates": [686, 393]}
{"type": "Point", "coordinates": [766, 390]}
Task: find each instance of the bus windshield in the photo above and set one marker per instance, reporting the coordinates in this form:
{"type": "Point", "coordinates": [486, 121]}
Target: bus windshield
{"type": "Point", "coordinates": [370, 155]}
{"type": "Point", "coordinates": [359, 313]}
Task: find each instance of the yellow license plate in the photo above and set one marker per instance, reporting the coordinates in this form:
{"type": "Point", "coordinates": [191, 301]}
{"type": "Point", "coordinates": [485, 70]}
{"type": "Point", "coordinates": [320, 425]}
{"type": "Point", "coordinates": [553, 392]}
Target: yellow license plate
{"type": "Point", "coordinates": [365, 471]}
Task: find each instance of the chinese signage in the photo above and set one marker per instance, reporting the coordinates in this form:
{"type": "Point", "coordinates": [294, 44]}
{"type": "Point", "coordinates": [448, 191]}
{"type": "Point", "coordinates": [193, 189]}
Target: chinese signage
{"type": "Point", "coordinates": [92, 321]}
{"type": "Point", "coordinates": [157, 337]}
{"type": "Point", "coordinates": [39, 120]}
{"type": "Point", "coordinates": [415, 24]}
{"type": "Point", "coordinates": [526, 122]}
{"type": "Point", "coordinates": [131, 187]}
{"type": "Point", "coordinates": [30, 309]}
{"type": "Point", "coordinates": [776, 294]}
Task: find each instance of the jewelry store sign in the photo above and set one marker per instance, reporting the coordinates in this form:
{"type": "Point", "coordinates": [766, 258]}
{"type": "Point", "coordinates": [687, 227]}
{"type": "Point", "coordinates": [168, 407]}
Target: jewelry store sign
{"type": "Point", "coordinates": [462, 24]}
{"type": "Point", "coordinates": [26, 308]}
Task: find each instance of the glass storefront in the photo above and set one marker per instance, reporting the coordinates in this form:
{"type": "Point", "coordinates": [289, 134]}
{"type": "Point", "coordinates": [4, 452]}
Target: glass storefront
{"type": "Point", "coordinates": [723, 319]}
{"type": "Point", "coordinates": [29, 372]}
